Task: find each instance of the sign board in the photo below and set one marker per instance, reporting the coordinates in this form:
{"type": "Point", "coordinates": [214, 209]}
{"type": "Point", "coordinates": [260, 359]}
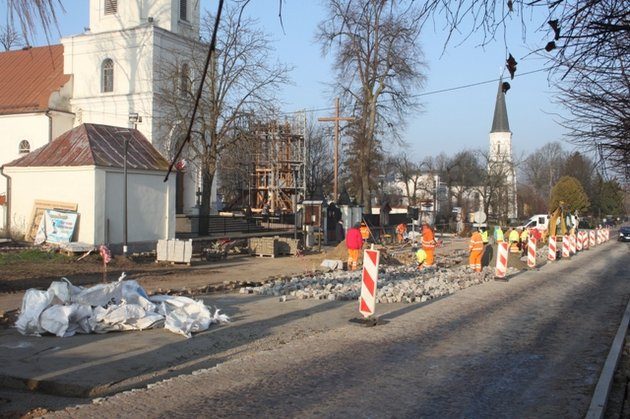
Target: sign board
{"type": "Point", "coordinates": [56, 227]}
{"type": "Point", "coordinates": [38, 212]}
{"type": "Point", "coordinates": [369, 277]}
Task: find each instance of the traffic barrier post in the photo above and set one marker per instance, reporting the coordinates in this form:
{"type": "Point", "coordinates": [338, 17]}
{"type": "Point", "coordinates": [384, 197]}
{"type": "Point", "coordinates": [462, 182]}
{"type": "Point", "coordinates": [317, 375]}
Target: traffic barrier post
{"type": "Point", "coordinates": [367, 301]}
{"type": "Point", "coordinates": [566, 249]}
{"type": "Point", "coordinates": [552, 248]}
{"type": "Point", "coordinates": [531, 252]}
{"type": "Point", "coordinates": [572, 246]}
{"type": "Point", "coordinates": [578, 241]}
{"type": "Point", "coordinates": [502, 260]}
{"type": "Point", "coordinates": [591, 238]}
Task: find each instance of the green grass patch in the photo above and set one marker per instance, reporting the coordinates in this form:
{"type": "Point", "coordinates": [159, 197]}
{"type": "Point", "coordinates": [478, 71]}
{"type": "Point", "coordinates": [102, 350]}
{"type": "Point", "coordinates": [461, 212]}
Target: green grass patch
{"type": "Point", "coordinates": [31, 256]}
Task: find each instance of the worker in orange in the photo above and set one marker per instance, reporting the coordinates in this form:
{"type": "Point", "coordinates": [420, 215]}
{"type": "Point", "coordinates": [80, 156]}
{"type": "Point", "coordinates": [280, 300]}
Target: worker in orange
{"type": "Point", "coordinates": [354, 243]}
{"type": "Point", "coordinates": [401, 229]}
{"type": "Point", "coordinates": [428, 244]}
{"type": "Point", "coordinates": [365, 231]}
{"type": "Point", "coordinates": [476, 251]}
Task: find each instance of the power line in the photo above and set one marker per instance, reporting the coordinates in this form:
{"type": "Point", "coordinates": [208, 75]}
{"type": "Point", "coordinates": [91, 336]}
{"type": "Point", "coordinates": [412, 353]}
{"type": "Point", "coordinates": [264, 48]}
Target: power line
{"type": "Point", "coordinates": [433, 92]}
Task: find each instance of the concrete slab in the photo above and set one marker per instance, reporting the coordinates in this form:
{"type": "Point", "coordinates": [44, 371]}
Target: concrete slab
{"type": "Point", "coordinates": [97, 365]}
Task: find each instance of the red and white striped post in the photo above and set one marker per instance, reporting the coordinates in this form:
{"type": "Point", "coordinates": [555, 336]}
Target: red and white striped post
{"type": "Point", "coordinates": [599, 236]}
{"type": "Point", "coordinates": [585, 240]}
{"type": "Point", "coordinates": [502, 260]}
{"type": "Point", "coordinates": [531, 252]}
{"type": "Point", "coordinates": [367, 301]}
{"type": "Point", "coordinates": [552, 248]}
{"type": "Point", "coordinates": [591, 238]}
{"type": "Point", "coordinates": [572, 246]}
{"type": "Point", "coordinates": [607, 234]}
{"type": "Point", "coordinates": [578, 241]}
{"type": "Point", "coordinates": [566, 247]}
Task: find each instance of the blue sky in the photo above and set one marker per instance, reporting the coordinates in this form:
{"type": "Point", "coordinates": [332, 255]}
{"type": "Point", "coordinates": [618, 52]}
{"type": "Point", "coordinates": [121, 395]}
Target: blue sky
{"type": "Point", "coordinates": [449, 121]}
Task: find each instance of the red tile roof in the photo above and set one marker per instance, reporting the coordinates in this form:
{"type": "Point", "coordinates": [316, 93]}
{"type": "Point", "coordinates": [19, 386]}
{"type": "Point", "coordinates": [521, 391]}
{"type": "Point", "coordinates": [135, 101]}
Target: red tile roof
{"type": "Point", "coordinates": [28, 77]}
{"type": "Point", "coordinates": [95, 145]}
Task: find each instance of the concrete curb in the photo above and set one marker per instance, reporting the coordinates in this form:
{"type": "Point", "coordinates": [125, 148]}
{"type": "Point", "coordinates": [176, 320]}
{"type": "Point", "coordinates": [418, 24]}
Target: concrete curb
{"type": "Point", "coordinates": [600, 396]}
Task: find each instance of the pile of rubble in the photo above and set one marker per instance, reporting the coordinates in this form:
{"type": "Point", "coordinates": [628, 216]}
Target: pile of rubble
{"type": "Point", "coordinates": [395, 284]}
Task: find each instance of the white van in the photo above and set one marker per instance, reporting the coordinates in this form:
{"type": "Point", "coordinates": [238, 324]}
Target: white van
{"type": "Point", "coordinates": [541, 222]}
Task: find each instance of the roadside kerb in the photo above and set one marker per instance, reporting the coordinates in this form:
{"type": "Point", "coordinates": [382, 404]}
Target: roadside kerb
{"type": "Point", "coordinates": [600, 396]}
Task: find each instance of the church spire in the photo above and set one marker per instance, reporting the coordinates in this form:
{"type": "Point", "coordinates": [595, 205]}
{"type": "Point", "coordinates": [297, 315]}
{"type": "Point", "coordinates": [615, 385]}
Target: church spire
{"type": "Point", "coordinates": [500, 121]}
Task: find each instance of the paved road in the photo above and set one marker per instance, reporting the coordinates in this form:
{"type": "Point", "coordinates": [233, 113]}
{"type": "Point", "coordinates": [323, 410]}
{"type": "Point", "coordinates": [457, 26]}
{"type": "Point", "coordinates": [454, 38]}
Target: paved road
{"type": "Point", "coordinates": [532, 347]}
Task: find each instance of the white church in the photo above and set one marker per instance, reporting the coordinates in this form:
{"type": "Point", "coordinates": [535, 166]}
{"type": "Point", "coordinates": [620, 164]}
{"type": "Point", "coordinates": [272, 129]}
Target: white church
{"type": "Point", "coordinates": [108, 76]}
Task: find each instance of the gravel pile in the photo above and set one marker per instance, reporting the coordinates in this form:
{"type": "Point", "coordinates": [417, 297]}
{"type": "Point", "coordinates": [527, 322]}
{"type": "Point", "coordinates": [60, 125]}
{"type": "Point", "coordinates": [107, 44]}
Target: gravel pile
{"type": "Point", "coordinates": [395, 284]}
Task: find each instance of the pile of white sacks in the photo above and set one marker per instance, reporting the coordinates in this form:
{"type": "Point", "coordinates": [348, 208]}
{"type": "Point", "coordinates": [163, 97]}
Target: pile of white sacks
{"type": "Point", "coordinates": [65, 309]}
{"type": "Point", "coordinates": [395, 284]}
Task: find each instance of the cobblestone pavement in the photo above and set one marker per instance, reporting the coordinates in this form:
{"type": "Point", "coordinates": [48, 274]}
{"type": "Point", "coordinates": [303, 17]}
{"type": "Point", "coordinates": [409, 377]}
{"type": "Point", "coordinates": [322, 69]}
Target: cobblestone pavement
{"type": "Point", "coordinates": [532, 347]}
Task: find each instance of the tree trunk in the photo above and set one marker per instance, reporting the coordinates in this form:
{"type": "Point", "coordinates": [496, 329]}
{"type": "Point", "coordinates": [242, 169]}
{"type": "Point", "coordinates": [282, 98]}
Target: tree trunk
{"type": "Point", "coordinates": [206, 191]}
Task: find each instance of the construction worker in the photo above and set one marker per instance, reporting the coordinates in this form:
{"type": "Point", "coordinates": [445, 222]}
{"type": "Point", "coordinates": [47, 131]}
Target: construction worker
{"type": "Point", "coordinates": [513, 239]}
{"type": "Point", "coordinates": [365, 231]}
{"type": "Point", "coordinates": [421, 257]}
{"type": "Point", "coordinates": [524, 241]}
{"type": "Point", "coordinates": [476, 251]}
{"type": "Point", "coordinates": [498, 234]}
{"type": "Point", "coordinates": [428, 244]}
{"type": "Point", "coordinates": [354, 243]}
{"type": "Point", "coordinates": [401, 231]}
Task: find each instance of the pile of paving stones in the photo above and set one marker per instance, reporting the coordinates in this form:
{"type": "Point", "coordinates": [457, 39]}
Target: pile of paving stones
{"type": "Point", "coordinates": [396, 284]}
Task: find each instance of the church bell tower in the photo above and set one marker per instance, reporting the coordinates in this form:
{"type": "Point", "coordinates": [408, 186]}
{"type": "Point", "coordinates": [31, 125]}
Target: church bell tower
{"type": "Point", "coordinates": [500, 162]}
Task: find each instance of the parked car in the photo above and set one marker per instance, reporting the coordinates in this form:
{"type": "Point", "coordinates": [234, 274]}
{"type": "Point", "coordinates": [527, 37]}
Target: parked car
{"type": "Point", "coordinates": [624, 233]}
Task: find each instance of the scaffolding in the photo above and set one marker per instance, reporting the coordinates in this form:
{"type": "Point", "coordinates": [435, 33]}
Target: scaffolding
{"type": "Point", "coordinates": [278, 170]}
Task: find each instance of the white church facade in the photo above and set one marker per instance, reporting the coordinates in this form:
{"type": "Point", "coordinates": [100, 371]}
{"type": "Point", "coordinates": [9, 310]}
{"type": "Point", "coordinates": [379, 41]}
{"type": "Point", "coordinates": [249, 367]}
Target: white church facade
{"type": "Point", "coordinates": [112, 74]}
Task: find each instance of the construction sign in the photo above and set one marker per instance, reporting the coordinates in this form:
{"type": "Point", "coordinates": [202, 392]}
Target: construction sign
{"type": "Point", "coordinates": [367, 301]}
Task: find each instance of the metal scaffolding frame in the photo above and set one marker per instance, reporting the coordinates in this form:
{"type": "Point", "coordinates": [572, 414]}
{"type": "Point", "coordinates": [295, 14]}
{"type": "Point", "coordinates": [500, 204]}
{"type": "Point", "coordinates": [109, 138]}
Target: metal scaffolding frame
{"type": "Point", "coordinates": [278, 170]}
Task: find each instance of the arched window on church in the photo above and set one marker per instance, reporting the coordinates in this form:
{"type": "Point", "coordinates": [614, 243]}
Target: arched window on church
{"type": "Point", "coordinates": [184, 80]}
{"type": "Point", "coordinates": [24, 147]}
{"type": "Point", "coordinates": [107, 76]}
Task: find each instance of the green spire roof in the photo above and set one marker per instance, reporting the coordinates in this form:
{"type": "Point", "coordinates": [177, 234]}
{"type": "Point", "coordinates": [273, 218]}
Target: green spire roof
{"type": "Point", "coordinates": [500, 122]}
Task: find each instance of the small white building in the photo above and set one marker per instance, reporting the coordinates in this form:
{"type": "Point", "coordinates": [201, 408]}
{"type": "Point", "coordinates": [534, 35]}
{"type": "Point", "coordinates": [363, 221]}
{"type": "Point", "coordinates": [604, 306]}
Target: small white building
{"type": "Point", "coordinates": [113, 74]}
{"type": "Point", "coordinates": [84, 168]}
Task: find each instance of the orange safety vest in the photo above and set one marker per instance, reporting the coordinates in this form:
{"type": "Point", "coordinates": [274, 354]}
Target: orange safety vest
{"type": "Point", "coordinates": [401, 228]}
{"type": "Point", "coordinates": [476, 242]}
{"type": "Point", "coordinates": [428, 238]}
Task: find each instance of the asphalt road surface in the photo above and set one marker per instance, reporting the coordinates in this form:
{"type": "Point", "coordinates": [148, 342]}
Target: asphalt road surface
{"type": "Point", "coordinates": [532, 347]}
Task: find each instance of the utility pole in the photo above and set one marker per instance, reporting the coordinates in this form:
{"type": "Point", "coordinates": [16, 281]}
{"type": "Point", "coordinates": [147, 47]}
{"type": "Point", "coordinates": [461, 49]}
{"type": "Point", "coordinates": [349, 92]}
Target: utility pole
{"type": "Point", "coordinates": [336, 120]}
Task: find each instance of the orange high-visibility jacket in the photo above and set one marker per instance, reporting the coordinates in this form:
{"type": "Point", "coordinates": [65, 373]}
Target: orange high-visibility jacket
{"type": "Point", "coordinates": [428, 238]}
{"type": "Point", "coordinates": [476, 242]}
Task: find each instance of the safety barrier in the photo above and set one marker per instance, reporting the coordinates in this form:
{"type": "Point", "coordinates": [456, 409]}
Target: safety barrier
{"type": "Point", "coordinates": [585, 240]}
{"type": "Point", "coordinates": [591, 238]}
{"type": "Point", "coordinates": [502, 259]}
{"type": "Point", "coordinates": [572, 244]}
{"type": "Point", "coordinates": [578, 241]}
{"type": "Point", "coordinates": [531, 252]}
{"type": "Point", "coordinates": [566, 247]}
{"type": "Point", "coordinates": [552, 248]}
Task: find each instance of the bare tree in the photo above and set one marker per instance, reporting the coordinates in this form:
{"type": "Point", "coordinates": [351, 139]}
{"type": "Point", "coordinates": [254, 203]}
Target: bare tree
{"type": "Point", "coordinates": [378, 61]}
{"type": "Point", "coordinates": [319, 165]}
{"type": "Point", "coordinates": [242, 79]}
{"type": "Point", "coordinates": [10, 38]}
{"type": "Point", "coordinates": [410, 175]}
{"type": "Point", "coordinates": [31, 14]}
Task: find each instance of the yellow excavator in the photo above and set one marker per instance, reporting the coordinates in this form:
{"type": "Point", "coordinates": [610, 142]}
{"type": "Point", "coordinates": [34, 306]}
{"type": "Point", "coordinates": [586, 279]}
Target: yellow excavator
{"type": "Point", "coordinates": [553, 220]}
{"type": "Point", "coordinates": [560, 213]}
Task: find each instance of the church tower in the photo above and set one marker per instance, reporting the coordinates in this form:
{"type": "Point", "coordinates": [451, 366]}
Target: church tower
{"type": "Point", "coordinates": [133, 52]}
{"type": "Point", "coordinates": [500, 163]}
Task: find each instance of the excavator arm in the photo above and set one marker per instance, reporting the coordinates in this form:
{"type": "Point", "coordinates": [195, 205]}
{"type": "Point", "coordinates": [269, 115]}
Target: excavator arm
{"type": "Point", "coordinates": [553, 220]}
